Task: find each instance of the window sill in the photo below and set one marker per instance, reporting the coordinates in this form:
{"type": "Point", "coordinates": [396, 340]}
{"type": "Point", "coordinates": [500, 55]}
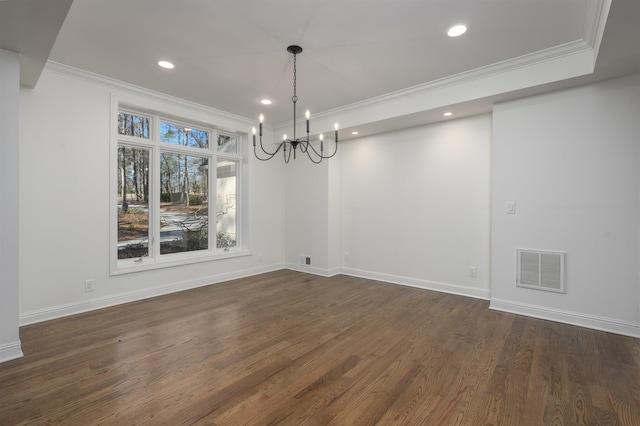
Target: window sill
{"type": "Point", "coordinates": [129, 266]}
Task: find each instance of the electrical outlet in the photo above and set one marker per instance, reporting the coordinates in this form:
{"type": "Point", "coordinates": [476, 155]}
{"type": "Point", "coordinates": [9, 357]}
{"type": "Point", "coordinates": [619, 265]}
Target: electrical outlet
{"type": "Point", "coordinates": [511, 207]}
{"type": "Point", "coordinates": [88, 286]}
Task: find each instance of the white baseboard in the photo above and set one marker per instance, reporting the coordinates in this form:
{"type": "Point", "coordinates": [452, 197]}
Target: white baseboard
{"type": "Point", "coordinates": [476, 293]}
{"type": "Point", "coordinates": [117, 299]}
{"type": "Point", "coordinates": [9, 351]}
{"type": "Point", "coordinates": [313, 270]}
{"type": "Point", "coordinates": [625, 328]}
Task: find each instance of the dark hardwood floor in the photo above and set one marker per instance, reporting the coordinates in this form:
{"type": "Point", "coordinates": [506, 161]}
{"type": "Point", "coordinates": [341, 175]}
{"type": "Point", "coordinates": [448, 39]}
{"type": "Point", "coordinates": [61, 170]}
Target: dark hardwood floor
{"type": "Point", "coordinates": [296, 349]}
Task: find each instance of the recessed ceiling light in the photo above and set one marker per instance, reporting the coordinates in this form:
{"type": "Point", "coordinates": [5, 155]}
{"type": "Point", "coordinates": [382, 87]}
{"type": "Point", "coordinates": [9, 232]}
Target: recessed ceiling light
{"type": "Point", "coordinates": [354, 133]}
{"type": "Point", "coordinates": [457, 30]}
{"type": "Point", "coordinates": [448, 114]}
{"type": "Point", "coordinates": [265, 101]}
{"type": "Point", "coordinates": [166, 64]}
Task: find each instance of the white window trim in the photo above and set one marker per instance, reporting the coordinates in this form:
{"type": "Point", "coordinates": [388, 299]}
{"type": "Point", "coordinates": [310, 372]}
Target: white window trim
{"type": "Point", "coordinates": [120, 103]}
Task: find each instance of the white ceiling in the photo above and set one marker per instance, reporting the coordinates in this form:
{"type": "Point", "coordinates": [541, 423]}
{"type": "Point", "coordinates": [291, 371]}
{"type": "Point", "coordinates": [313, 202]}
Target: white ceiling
{"type": "Point", "coordinates": [229, 54]}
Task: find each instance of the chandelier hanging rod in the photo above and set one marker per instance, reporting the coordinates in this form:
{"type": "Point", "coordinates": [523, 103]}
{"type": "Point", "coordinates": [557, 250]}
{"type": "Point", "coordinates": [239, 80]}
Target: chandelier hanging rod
{"type": "Point", "coordinates": [291, 145]}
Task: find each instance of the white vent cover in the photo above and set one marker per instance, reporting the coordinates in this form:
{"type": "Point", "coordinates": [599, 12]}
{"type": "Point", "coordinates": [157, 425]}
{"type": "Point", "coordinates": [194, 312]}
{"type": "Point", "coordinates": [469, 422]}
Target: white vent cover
{"type": "Point", "coordinates": [542, 270]}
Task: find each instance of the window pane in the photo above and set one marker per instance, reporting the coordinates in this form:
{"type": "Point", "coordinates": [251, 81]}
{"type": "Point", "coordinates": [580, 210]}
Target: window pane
{"type": "Point", "coordinates": [184, 219]}
{"type": "Point", "coordinates": [228, 143]}
{"type": "Point", "coordinates": [227, 181]}
{"type": "Point", "coordinates": [133, 202]}
{"type": "Point", "coordinates": [185, 136]}
{"type": "Point", "coordinates": [133, 125]}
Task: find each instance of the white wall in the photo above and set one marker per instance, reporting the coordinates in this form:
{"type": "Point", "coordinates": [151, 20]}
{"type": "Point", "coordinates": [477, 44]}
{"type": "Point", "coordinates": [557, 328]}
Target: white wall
{"type": "Point", "coordinates": [64, 196]}
{"type": "Point", "coordinates": [571, 162]}
{"type": "Point", "coordinates": [307, 222]}
{"type": "Point", "coordinates": [10, 346]}
{"type": "Point", "coordinates": [415, 206]}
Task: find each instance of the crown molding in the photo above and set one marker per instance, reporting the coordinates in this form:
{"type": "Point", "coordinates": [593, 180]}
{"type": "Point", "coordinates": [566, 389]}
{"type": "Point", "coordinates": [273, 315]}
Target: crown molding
{"type": "Point", "coordinates": [133, 90]}
{"type": "Point", "coordinates": [597, 14]}
{"type": "Point", "coordinates": [478, 74]}
{"type": "Point", "coordinates": [557, 63]}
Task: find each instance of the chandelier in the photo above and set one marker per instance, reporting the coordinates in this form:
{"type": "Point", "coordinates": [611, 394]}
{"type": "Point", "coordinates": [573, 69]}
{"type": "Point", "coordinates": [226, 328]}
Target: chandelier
{"type": "Point", "coordinates": [292, 145]}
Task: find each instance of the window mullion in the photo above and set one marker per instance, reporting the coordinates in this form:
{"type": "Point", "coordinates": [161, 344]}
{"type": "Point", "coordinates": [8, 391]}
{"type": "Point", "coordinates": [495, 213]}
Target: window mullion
{"type": "Point", "coordinates": [154, 205]}
{"type": "Point", "coordinates": [213, 201]}
{"type": "Point", "coordinates": [157, 187]}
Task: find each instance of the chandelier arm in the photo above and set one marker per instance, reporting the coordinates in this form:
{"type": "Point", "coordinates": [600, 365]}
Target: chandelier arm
{"type": "Point", "coordinates": [321, 155]}
{"type": "Point", "coordinates": [286, 157]}
{"type": "Point", "coordinates": [314, 150]}
{"type": "Point", "coordinates": [265, 152]}
{"type": "Point", "coordinates": [334, 153]}
{"type": "Point", "coordinates": [304, 147]}
{"type": "Point", "coordinates": [255, 150]}
{"type": "Point", "coordinates": [271, 154]}
{"type": "Point", "coordinates": [255, 153]}
{"type": "Point", "coordinates": [312, 159]}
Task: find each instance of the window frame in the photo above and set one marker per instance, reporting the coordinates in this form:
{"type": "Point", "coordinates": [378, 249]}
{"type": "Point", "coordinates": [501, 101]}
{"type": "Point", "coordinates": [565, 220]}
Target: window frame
{"type": "Point", "coordinates": [155, 146]}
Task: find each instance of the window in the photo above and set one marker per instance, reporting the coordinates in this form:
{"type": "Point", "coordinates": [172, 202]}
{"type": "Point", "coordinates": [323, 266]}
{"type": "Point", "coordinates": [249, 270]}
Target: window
{"type": "Point", "coordinates": [170, 206]}
{"type": "Point", "coordinates": [133, 202]}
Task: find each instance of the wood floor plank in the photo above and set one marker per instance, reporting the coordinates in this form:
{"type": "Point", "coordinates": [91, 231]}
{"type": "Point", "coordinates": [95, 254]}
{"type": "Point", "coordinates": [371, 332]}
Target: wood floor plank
{"type": "Point", "coordinates": [288, 348]}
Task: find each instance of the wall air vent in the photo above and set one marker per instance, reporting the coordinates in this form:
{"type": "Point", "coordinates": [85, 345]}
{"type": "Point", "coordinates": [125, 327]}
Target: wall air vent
{"type": "Point", "coordinates": [541, 270]}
